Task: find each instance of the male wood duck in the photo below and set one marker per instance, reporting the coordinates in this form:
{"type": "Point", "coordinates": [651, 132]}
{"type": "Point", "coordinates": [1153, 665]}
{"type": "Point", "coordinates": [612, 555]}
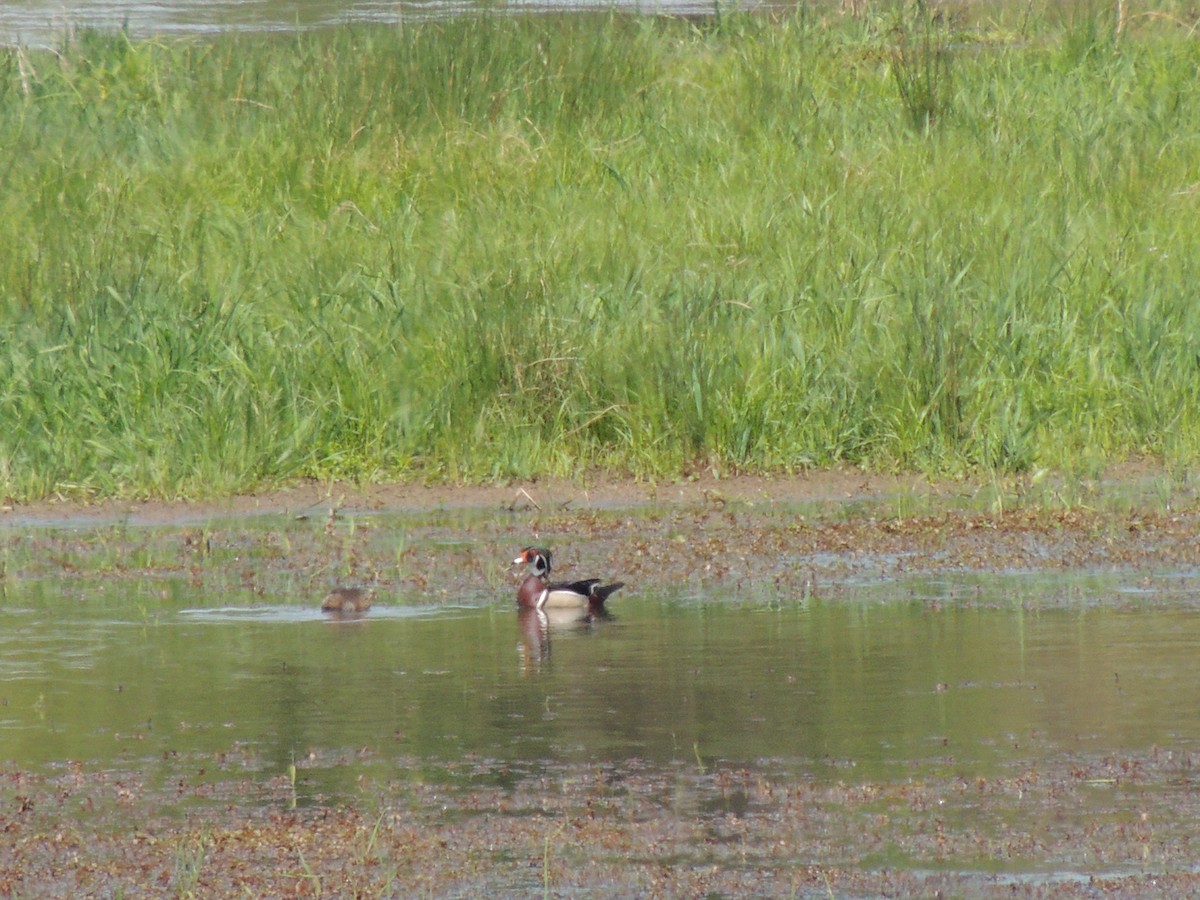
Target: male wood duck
{"type": "Point", "coordinates": [537, 592]}
{"type": "Point", "coordinates": [348, 600]}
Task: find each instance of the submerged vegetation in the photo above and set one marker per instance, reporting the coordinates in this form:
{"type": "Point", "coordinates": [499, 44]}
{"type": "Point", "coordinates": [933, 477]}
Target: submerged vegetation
{"type": "Point", "coordinates": [498, 247]}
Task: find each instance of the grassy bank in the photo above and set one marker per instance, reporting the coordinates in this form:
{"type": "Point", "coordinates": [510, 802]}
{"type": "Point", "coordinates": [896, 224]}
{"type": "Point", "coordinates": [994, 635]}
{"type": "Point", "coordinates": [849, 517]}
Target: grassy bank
{"type": "Point", "coordinates": [513, 246]}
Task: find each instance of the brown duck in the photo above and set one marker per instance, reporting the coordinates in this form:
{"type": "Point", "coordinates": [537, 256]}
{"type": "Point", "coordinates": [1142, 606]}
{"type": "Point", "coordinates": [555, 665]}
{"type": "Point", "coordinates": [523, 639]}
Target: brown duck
{"type": "Point", "coordinates": [348, 600]}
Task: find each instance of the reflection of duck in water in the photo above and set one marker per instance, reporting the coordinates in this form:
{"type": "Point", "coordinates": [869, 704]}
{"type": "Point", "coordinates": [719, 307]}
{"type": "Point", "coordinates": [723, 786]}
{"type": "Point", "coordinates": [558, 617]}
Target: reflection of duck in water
{"type": "Point", "coordinates": [537, 592]}
{"type": "Point", "coordinates": [537, 626]}
{"type": "Point", "coordinates": [348, 600]}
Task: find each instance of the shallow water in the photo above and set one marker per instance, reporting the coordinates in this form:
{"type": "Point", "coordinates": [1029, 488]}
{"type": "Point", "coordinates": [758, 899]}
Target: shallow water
{"type": "Point", "coordinates": [830, 698]}
{"type": "Point", "coordinates": [44, 22]}
{"type": "Point", "coordinates": [906, 677]}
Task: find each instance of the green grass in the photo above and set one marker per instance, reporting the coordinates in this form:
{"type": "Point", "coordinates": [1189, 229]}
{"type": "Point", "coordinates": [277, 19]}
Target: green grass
{"type": "Point", "coordinates": [503, 247]}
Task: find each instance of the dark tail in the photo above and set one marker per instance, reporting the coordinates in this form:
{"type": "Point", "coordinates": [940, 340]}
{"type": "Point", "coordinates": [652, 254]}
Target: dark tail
{"type": "Point", "coordinates": [600, 593]}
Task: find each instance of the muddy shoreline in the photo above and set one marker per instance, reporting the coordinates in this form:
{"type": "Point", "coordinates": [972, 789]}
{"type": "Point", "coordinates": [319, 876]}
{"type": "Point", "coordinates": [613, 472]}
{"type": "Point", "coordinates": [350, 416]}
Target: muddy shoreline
{"type": "Point", "coordinates": [789, 536]}
{"type": "Point", "coordinates": [831, 485]}
{"type": "Point", "coordinates": [1096, 822]}
{"type": "Point", "coordinates": [1112, 824]}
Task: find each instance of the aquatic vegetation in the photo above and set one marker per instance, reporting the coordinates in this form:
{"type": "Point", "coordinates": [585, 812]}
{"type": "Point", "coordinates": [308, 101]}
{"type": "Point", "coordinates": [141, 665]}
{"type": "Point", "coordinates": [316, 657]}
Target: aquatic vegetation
{"type": "Point", "coordinates": [499, 247]}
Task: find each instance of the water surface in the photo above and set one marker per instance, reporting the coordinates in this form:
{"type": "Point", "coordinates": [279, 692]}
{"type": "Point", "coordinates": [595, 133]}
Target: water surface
{"type": "Point", "coordinates": [905, 679]}
{"type": "Point", "coordinates": [39, 22]}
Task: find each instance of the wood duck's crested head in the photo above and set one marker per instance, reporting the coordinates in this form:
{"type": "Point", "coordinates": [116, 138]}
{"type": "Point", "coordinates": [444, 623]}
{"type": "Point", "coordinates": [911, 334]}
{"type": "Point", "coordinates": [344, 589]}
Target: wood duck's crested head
{"type": "Point", "coordinates": [538, 560]}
